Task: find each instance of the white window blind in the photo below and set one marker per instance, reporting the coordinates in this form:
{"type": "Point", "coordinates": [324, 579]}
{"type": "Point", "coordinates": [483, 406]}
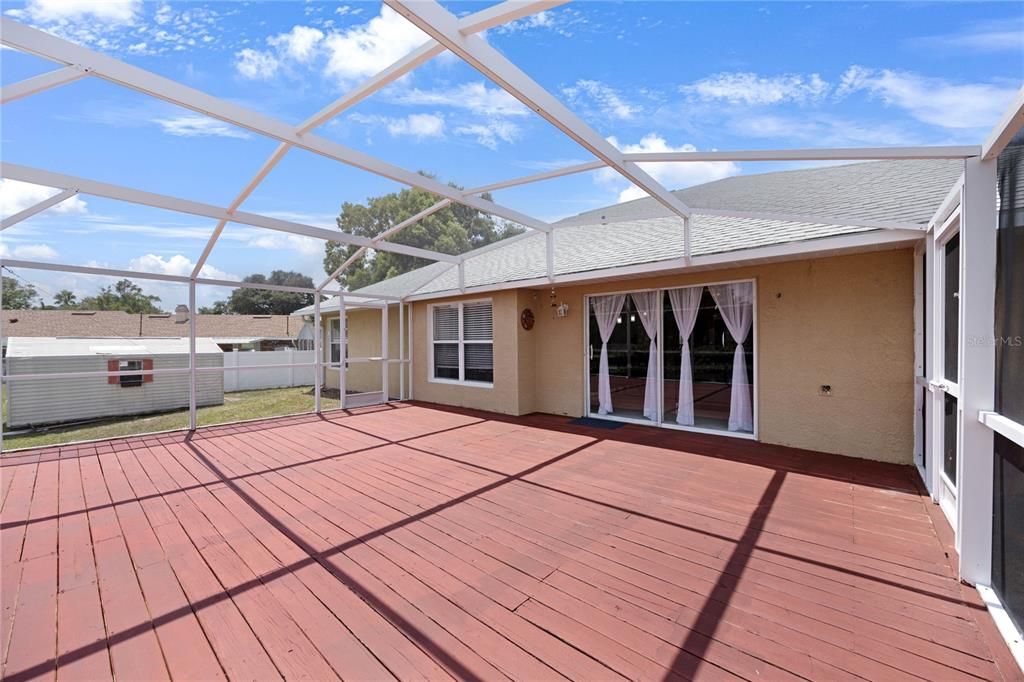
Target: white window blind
{"type": "Point", "coordinates": [462, 339]}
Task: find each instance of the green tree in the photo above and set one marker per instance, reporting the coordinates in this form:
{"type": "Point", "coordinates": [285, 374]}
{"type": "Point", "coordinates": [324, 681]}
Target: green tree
{"type": "Point", "coordinates": [218, 308]}
{"type": "Point", "coordinates": [265, 301]}
{"type": "Point", "coordinates": [18, 296]}
{"type": "Point", "coordinates": [65, 299]}
{"type": "Point", "coordinates": [125, 295]}
{"type": "Point", "coordinates": [455, 229]}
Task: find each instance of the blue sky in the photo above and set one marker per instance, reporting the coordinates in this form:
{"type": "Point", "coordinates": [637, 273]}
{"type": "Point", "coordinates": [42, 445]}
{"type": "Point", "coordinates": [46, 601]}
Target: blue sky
{"type": "Point", "coordinates": [649, 76]}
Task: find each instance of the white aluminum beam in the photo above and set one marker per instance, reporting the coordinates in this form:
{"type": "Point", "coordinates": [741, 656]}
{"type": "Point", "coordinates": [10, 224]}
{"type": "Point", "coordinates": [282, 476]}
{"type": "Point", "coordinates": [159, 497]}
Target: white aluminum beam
{"type": "Point", "coordinates": [1007, 127]}
{"type": "Point", "coordinates": [19, 36]}
{"type": "Point", "coordinates": [421, 55]}
{"type": "Point", "coordinates": [474, 23]}
{"type": "Point", "coordinates": [441, 25]}
{"type": "Point", "coordinates": [46, 81]}
{"type": "Point", "coordinates": [382, 236]}
{"type": "Point", "coordinates": [37, 208]}
{"type": "Point", "coordinates": [503, 13]}
{"type": "Point", "coordinates": [180, 279]}
{"type": "Point", "coordinates": [547, 175]}
{"type": "Point", "coordinates": [824, 154]}
{"type": "Point", "coordinates": [110, 191]}
{"type": "Point", "coordinates": [261, 174]}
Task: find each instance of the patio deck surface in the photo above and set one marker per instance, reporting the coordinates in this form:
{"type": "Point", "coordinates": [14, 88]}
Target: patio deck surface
{"type": "Point", "coordinates": [420, 543]}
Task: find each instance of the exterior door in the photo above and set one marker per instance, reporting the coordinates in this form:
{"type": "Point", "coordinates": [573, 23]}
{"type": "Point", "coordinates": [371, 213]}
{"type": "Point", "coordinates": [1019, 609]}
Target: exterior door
{"type": "Point", "coordinates": [945, 432]}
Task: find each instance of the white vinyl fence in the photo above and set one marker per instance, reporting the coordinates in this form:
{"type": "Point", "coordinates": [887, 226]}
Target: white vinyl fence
{"type": "Point", "coordinates": [243, 379]}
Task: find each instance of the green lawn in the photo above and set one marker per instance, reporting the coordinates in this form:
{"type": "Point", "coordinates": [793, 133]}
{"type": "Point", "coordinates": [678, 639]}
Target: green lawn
{"type": "Point", "coordinates": [237, 407]}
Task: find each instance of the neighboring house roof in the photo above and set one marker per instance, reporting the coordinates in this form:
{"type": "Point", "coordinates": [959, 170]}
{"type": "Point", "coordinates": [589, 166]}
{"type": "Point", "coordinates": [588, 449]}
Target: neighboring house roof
{"type": "Point", "coordinates": [115, 323]}
{"type": "Point", "coordinates": [262, 326]}
{"type": "Point", "coordinates": [643, 231]}
{"type": "Point", "coordinates": [70, 323]}
{"type": "Point", "coordinates": [36, 346]}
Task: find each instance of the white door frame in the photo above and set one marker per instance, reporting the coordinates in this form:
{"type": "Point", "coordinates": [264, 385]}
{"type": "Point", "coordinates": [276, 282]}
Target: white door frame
{"type": "Point", "coordinates": [660, 422]}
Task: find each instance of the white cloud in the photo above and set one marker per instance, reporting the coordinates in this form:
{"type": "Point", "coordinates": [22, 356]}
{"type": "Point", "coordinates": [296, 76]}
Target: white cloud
{"type": "Point", "coordinates": [608, 100]}
{"type": "Point", "coordinates": [111, 11]}
{"type": "Point", "coordinates": [750, 88]}
{"type": "Point", "coordinates": [823, 130]}
{"type": "Point", "coordinates": [196, 125]}
{"type": "Point", "coordinates": [364, 50]}
{"type": "Point", "coordinates": [491, 133]}
{"type": "Point", "coordinates": [418, 126]}
{"type": "Point", "coordinates": [475, 97]}
{"type": "Point", "coordinates": [29, 252]}
{"type": "Point", "coordinates": [16, 196]}
{"type": "Point", "coordinates": [1006, 34]}
{"type": "Point", "coordinates": [256, 64]}
{"type": "Point", "coordinates": [931, 100]}
{"type": "Point", "coordinates": [300, 43]}
{"type": "Point", "coordinates": [178, 265]}
{"type": "Point", "coordinates": [671, 175]}
{"type": "Point", "coordinates": [277, 241]}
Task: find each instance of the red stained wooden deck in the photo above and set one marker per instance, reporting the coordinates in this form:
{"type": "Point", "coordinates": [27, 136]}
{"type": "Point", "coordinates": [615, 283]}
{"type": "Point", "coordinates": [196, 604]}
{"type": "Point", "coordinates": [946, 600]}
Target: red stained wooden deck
{"type": "Point", "coordinates": [421, 543]}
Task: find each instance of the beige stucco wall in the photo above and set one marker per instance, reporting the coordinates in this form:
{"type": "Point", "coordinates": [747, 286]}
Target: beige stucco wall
{"type": "Point", "coordinates": [364, 340]}
{"type": "Point", "coordinates": [846, 321]}
{"type": "Point", "coordinates": [503, 396]}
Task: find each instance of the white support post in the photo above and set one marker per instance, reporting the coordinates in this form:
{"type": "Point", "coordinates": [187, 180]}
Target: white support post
{"type": "Point", "coordinates": [37, 208]}
{"type": "Point", "coordinates": [401, 350]}
{"type": "Point", "coordinates": [412, 354]}
{"type": "Point", "coordinates": [192, 418]}
{"type": "Point", "coordinates": [3, 382]}
{"type": "Point", "coordinates": [36, 84]}
{"type": "Point", "coordinates": [342, 350]}
{"type": "Point", "coordinates": [978, 225]}
{"type": "Point", "coordinates": [384, 365]}
{"type": "Point", "coordinates": [462, 276]}
{"type": "Point", "coordinates": [318, 372]}
{"type": "Point", "coordinates": [931, 343]}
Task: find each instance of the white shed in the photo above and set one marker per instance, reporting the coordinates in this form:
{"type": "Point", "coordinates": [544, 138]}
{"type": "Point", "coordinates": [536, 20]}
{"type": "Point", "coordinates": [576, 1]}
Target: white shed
{"type": "Point", "coordinates": [32, 402]}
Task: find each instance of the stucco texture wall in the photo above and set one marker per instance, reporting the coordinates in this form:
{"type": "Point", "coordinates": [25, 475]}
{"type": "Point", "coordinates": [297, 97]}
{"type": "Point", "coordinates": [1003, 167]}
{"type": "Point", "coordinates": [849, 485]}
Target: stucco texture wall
{"type": "Point", "coordinates": [504, 395]}
{"type": "Point", "coordinates": [845, 321]}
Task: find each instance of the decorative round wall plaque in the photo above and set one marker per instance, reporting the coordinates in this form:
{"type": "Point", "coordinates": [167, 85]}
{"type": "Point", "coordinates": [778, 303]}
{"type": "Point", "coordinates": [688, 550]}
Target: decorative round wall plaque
{"type": "Point", "coordinates": [526, 319]}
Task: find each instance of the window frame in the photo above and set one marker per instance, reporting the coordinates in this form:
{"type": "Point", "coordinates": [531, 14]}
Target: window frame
{"type": "Point", "coordinates": [461, 343]}
{"type": "Point", "coordinates": [131, 380]}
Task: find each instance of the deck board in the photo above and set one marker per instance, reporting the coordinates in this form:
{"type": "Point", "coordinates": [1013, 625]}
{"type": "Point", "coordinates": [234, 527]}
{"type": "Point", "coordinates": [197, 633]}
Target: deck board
{"type": "Point", "coordinates": [417, 542]}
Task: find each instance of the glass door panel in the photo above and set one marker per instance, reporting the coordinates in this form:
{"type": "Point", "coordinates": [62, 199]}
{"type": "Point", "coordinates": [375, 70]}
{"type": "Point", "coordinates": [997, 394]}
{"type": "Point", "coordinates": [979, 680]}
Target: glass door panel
{"type": "Point", "coordinates": [628, 351]}
{"type": "Point", "coordinates": [712, 350]}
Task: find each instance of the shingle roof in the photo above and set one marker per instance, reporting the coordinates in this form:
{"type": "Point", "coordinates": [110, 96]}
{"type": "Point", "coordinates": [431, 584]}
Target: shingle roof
{"type": "Point", "coordinates": [643, 231]}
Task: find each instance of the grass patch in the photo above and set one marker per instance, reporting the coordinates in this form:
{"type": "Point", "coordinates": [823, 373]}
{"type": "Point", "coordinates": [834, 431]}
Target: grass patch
{"type": "Point", "coordinates": [238, 406]}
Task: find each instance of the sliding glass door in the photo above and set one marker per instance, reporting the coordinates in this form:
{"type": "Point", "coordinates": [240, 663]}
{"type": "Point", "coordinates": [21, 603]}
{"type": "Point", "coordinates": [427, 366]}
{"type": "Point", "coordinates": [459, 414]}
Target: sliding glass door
{"type": "Point", "coordinates": [679, 358]}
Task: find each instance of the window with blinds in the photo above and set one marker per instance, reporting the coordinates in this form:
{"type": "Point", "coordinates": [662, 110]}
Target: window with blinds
{"type": "Point", "coordinates": [462, 342]}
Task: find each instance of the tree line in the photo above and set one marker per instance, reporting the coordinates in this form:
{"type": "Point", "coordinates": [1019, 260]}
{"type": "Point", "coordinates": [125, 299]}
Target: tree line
{"type": "Point", "coordinates": [127, 296]}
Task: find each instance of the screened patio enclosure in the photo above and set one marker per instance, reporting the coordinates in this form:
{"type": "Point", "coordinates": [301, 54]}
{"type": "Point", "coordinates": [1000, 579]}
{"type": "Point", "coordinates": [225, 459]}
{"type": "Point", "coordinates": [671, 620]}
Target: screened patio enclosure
{"type": "Point", "coordinates": [674, 357]}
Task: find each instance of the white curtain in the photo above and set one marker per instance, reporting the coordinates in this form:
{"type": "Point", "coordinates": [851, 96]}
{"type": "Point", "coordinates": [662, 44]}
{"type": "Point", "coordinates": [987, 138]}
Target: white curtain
{"type": "Point", "coordinates": [606, 310]}
{"type": "Point", "coordinates": [685, 304]}
{"type": "Point", "coordinates": [736, 302]}
{"type": "Point", "coordinates": [648, 309]}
